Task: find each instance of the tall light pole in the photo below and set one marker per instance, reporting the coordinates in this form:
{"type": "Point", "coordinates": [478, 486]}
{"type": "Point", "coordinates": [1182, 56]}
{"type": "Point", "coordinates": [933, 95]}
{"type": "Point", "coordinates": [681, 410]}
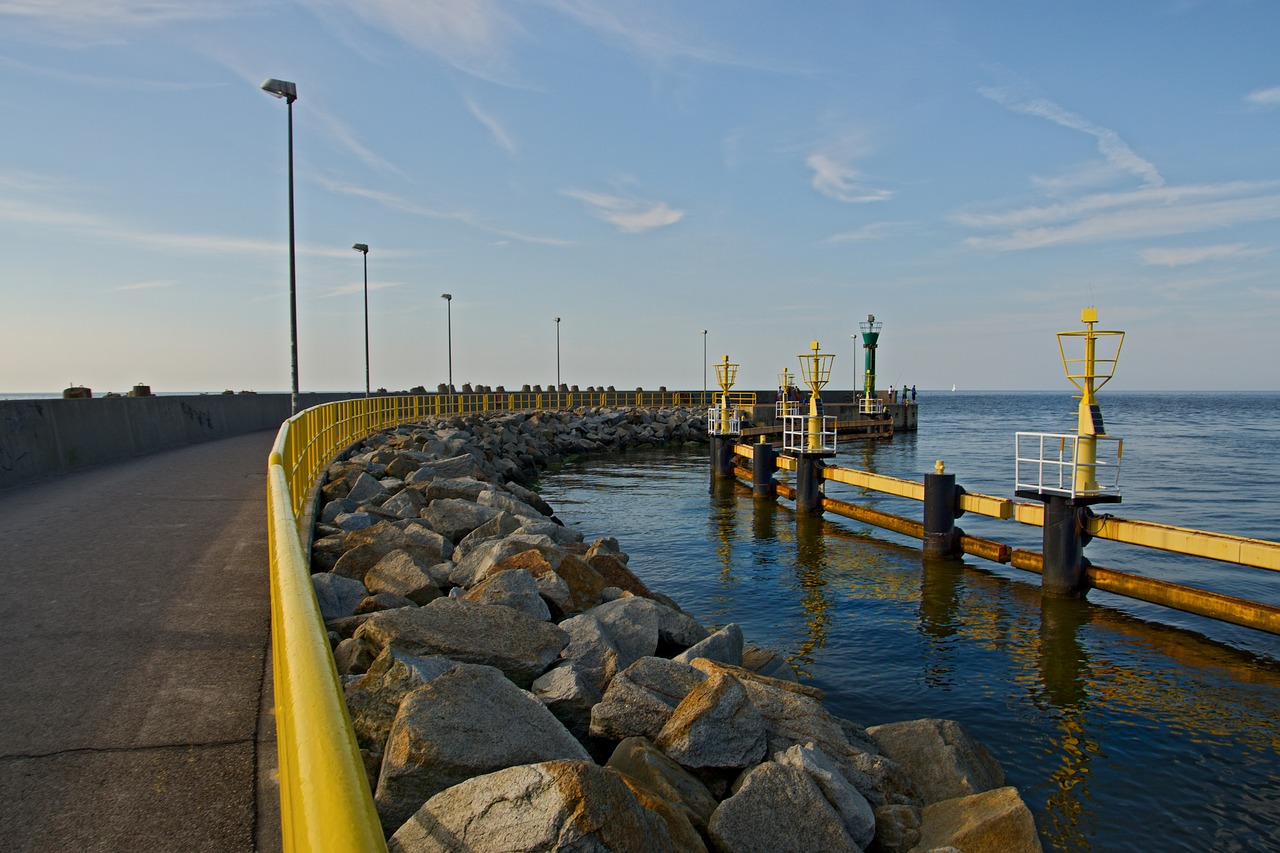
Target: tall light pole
{"type": "Point", "coordinates": [289, 91]}
{"type": "Point", "coordinates": [448, 301]}
{"type": "Point", "coordinates": [363, 249]}
{"type": "Point", "coordinates": [704, 367]}
{"type": "Point", "coordinates": [557, 319]}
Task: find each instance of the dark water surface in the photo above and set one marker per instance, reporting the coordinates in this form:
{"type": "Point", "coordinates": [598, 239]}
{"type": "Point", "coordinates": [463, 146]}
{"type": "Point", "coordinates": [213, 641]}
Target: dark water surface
{"type": "Point", "coordinates": [1126, 726]}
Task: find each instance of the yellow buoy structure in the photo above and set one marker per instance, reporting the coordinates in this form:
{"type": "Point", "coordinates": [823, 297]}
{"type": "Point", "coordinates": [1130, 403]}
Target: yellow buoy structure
{"type": "Point", "coordinates": [811, 437]}
{"type": "Point", "coordinates": [723, 424]}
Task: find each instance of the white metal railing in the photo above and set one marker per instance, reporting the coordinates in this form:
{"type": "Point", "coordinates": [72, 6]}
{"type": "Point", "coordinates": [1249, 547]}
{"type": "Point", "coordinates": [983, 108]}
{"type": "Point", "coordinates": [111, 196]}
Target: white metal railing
{"type": "Point", "coordinates": [723, 421]}
{"type": "Point", "coordinates": [1050, 463]}
{"type": "Point", "coordinates": [795, 434]}
{"type": "Point", "coordinates": [786, 408]}
{"type": "Point", "coordinates": [870, 406]}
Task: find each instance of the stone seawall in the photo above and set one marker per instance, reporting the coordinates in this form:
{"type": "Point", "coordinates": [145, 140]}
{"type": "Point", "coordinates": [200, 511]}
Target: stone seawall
{"type": "Point", "coordinates": [513, 687]}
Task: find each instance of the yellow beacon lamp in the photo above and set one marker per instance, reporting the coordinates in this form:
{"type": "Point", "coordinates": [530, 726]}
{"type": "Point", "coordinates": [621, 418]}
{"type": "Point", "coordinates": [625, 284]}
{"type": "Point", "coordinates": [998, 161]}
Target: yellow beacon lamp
{"type": "Point", "coordinates": [726, 375]}
{"type": "Point", "coordinates": [815, 368]}
{"type": "Point", "coordinates": [722, 426]}
{"type": "Point", "coordinates": [1089, 357]}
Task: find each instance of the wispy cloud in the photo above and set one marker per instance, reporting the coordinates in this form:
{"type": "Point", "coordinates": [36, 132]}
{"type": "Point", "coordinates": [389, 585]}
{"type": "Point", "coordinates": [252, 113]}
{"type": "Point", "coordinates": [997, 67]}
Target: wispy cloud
{"type": "Point", "coordinates": [103, 20]}
{"type": "Point", "coordinates": [870, 233]}
{"type": "Point", "coordinates": [473, 36]}
{"type": "Point", "coordinates": [1113, 149]}
{"type": "Point", "coordinates": [630, 216]}
{"type": "Point", "coordinates": [495, 127]}
{"type": "Point", "coordinates": [834, 172]}
{"type": "Point", "coordinates": [403, 205]}
{"type": "Point", "coordinates": [1179, 257]}
{"type": "Point", "coordinates": [147, 285]}
{"type": "Point", "coordinates": [348, 289]}
{"type": "Point", "coordinates": [134, 84]}
{"type": "Point", "coordinates": [1143, 213]}
{"type": "Point", "coordinates": [339, 132]}
{"type": "Point", "coordinates": [1269, 97]}
{"type": "Point", "coordinates": [638, 28]}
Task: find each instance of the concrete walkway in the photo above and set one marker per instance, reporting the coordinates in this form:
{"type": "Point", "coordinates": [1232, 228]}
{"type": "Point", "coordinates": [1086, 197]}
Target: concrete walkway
{"type": "Point", "coordinates": [134, 656]}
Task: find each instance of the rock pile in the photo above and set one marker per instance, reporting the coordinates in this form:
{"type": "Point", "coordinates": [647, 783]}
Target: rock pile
{"type": "Point", "coordinates": [515, 688]}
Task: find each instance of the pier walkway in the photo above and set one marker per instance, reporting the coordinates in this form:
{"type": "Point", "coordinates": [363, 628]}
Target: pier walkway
{"type": "Point", "coordinates": [134, 656]}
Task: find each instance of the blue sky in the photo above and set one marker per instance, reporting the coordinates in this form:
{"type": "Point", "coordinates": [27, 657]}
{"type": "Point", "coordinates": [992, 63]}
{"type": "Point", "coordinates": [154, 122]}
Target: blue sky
{"type": "Point", "coordinates": [972, 173]}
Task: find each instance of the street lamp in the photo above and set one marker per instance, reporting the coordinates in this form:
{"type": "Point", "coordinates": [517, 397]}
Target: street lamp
{"type": "Point", "coordinates": [448, 301]}
{"type": "Point", "coordinates": [289, 91]}
{"type": "Point", "coordinates": [704, 366]}
{"type": "Point", "coordinates": [363, 249]}
{"type": "Point", "coordinates": [557, 319]}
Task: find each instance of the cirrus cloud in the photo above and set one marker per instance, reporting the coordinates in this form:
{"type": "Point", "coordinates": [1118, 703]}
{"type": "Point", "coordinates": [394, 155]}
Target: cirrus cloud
{"type": "Point", "coordinates": [630, 216]}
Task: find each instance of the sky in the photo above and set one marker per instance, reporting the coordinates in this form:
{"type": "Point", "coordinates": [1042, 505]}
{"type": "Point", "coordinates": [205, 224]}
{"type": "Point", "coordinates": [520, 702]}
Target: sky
{"type": "Point", "coordinates": [973, 174]}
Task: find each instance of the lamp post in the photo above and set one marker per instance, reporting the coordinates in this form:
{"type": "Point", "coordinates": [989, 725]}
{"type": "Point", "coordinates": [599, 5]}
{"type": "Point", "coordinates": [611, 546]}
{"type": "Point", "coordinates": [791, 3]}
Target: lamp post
{"type": "Point", "coordinates": [557, 319]}
{"type": "Point", "coordinates": [448, 301]}
{"type": "Point", "coordinates": [704, 366]}
{"type": "Point", "coordinates": [363, 249]}
{"type": "Point", "coordinates": [289, 91]}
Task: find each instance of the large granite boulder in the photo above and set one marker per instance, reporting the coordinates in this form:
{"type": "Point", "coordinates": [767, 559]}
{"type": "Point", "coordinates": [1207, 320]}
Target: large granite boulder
{"type": "Point", "coordinates": [517, 590]}
{"type": "Point", "coordinates": [724, 646]}
{"type": "Point", "coordinates": [641, 699]}
{"type": "Point", "coordinates": [337, 596]}
{"type": "Point", "coordinates": [553, 805]}
{"type": "Point", "coordinates": [519, 645]}
{"type": "Point", "coordinates": [714, 727]}
{"type": "Point", "coordinates": [778, 808]}
{"type": "Point", "coordinates": [469, 721]}
{"type": "Point", "coordinates": [642, 762]}
{"type": "Point", "coordinates": [454, 519]}
{"type": "Point", "coordinates": [570, 695]}
{"type": "Point", "coordinates": [589, 649]}
{"type": "Point", "coordinates": [943, 759]}
{"type": "Point", "coordinates": [400, 573]}
{"type": "Point", "coordinates": [995, 821]}
{"type": "Point", "coordinates": [855, 812]}
{"type": "Point", "coordinates": [373, 699]}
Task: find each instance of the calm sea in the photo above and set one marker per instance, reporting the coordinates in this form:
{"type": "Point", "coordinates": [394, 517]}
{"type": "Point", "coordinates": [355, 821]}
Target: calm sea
{"type": "Point", "coordinates": [1127, 727]}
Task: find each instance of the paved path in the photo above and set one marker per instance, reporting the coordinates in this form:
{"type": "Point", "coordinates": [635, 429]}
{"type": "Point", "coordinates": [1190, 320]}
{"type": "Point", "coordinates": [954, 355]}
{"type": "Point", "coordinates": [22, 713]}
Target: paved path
{"type": "Point", "coordinates": [134, 656]}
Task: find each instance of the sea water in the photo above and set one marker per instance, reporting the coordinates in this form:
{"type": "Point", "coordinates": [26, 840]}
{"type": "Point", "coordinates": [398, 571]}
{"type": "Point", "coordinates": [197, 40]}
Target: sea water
{"type": "Point", "coordinates": [1126, 726]}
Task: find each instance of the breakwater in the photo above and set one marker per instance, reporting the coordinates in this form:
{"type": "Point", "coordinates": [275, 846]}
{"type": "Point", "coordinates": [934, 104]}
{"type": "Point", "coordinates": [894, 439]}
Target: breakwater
{"type": "Point", "coordinates": [511, 685]}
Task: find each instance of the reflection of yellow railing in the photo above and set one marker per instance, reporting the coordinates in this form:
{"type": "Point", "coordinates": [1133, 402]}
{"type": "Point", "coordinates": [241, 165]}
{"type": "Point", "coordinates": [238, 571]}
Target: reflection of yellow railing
{"type": "Point", "coordinates": [325, 802]}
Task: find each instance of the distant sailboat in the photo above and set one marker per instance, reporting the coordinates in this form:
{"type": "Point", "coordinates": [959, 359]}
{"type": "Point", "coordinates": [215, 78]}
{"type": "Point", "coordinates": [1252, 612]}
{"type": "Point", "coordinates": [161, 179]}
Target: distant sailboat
{"type": "Point", "coordinates": [953, 387]}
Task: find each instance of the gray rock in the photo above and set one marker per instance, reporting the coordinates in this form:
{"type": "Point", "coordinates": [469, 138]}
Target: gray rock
{"type": "Point", "coordinates": [530, 497]}
{"type": "Point", "coordinates": [519, 645]}
{"type": "Point", "coordinates": [897, 828]}
{"type": "Point", "coordinates": [467, 722]}
{"type": "Point", "coordinates": [337, 596]}
{"type": "Point", "coordinates": [855, 812]}
{"type": "Point", "coordinates": [515, 589]}
{"type": "Point", "coordinates": [996, 820]}
{"type": "Point", "coordinates": [557, 533]}
{"type": "Point", "coordinates": [384, 601]}
{"type": "Point", "coordinates": [724, 646]}
{"type": "Point", "coordinates": [590, 649]}
{"type": "Point", "coordinates": [352, 657]}
{"type": "Point", "coordinates": [553, 805]}
{"type": "Point", "coordinates": [767, 663]}
{"type": "Point", "coordinates": [399, 573]}
{"type": "Point", "coordinates": [461, 488]}
{"type": "Point", "coordinates": [454, 519]}
{"type": "Point", "coordinates": [632, 625]}
{"type": "Point", "coordinates": [640, 699]}
{"type": "Point", "coordinates": [774, 804]}
{"type": "Point", "coordinates": [498, 527]}
{"type": "Point", "coordinates": [372, 700]}
{"type": "Point", "coordinates": [714, 728]}
{"type": "Point", "coordinates": [570, 695]}
{"type": "Point", "coordinates": [350, 521]}
{"type": "Point", "coordinates": [639, 760]}
{"type": "Point", "coordinates": [940, 756]}
{"type": "Point", "coordinates": [462, 465]}
{"type": "Point", "coordinates": [479, 563]}
{"type": "Point", "coordinates": [404, 504]}
{"type": "Point", "coordinates": [367, 490]}
{"type": "Point", "coordinates": [502, 501]}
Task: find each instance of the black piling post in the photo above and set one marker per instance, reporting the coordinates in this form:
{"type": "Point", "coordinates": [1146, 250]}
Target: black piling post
{"type": "Point", "coordinates": [722, 456]}
{"type": "Point", "coordinates": [763, 466]}
{"type": "Point", "coordinates": [1064, 540]}
{"type": "Point", "coordinates": [808, 485]}
{"type": "Point", "coordinates": [941, 507]}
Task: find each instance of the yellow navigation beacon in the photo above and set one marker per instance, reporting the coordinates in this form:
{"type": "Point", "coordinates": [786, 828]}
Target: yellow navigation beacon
{"type": "Point", "coordinates": [726, 375]}
{"type": "Point", "coordinates": [1089, 357]}
{"type": "Point", "coordinates": [815, 367]}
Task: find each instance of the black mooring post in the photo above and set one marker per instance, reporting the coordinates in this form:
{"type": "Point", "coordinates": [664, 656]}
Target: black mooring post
{"type": "Point", "coordinates": [808, 485]}
{"type": "Point", "coordinates": [763, 465]}
{"type": "Point", "coordinates": [1064, 541]}
{"type": "Point", "coordinates": [722, 457]}
{"type": "Point", "coordinates": [941, 506]}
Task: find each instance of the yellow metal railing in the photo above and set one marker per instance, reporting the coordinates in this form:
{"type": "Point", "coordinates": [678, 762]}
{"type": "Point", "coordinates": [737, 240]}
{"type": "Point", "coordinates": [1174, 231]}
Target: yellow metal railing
{"type": "Point", "coordinates": [325, 798]}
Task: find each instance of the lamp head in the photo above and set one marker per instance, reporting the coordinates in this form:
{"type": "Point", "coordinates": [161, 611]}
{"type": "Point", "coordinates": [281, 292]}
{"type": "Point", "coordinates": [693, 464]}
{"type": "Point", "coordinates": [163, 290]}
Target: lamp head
{"type": "Point", "coordinates": [447, 297]}
{"type": "Point", "coordinates": [280, 89]}
{"type": "Point", "coordinates": [362, 248]}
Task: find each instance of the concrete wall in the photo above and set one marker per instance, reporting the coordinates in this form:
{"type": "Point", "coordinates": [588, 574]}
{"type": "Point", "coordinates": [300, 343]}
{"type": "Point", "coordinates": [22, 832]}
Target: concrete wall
{"type": "Point", "coordinates": [41, 438]}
